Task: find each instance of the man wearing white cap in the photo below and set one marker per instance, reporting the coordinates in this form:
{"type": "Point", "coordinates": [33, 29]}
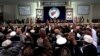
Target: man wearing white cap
{"type": "Point", "coordinates": [89, 49]}
{"type": "Point", "coordinates": [8, 50]}
{"type": "Point", "coordinates": [93, 33]}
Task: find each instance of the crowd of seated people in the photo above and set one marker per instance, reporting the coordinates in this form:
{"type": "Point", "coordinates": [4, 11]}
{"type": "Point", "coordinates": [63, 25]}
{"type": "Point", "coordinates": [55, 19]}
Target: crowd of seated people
{"type": "Point", "coordinates": [96, 20]}
{"type": "Point", "coordinates": [53, 20]}
{"type": "Point", "coordinates": [49, 39]}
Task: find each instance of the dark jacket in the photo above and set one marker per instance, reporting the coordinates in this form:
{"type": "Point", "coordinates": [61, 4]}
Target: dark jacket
{"type": "Point", "coordinates": [46, 50]}
{"type": "Point", "coordinates": [89, 50]}
{"type": "Point", "coordinates": [12, 51]}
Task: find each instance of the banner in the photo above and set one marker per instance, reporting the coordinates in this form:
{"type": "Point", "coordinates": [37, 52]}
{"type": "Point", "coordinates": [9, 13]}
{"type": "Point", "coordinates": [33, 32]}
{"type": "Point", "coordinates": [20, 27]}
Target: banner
{"type": "Point", "coordinates": [56, 12]}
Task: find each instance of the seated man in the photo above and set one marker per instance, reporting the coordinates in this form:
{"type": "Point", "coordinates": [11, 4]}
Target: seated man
{"type": "Point", "coordinates": [8, 50]}
{"type": "Point", "coordinates": [44, 47]}
{"type": "Point", "coordinates": [89, 49]}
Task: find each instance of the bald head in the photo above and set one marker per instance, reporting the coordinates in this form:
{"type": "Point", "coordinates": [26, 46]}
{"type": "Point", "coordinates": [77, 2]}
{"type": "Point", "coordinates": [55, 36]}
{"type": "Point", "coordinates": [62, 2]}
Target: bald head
{"type": "Point", "coordinates": [57, 31]}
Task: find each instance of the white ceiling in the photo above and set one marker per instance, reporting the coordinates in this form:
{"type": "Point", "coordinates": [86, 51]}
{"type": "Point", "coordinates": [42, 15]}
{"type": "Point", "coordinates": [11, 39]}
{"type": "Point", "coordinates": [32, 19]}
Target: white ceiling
{"type": "Point", "coordinates": [29, 1]}
{"type": "Point", "coordinates": [87, 1]}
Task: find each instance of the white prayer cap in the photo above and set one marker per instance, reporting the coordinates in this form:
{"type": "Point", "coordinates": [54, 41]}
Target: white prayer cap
{"type": "Point", "coordinates": [6, 43]}
{"type": "Point", "coordinates": [88, 39]}
{"type": "Point", "coordinates": [88, 26]}
{"type": "Point", "coordinates": [13, 33]}
{"type": "Point", "coordinates": [71, 26]}
{"type": "Point", "coordinates": [9, 29]}
{"type": "Point", "coordinates": [61, 40]}
{"type": "Point", "coordinates": [3, 28]}
{"type": "Point", "coordinates": [72, 30]}
{"type": "Point", "coordinates": [32, 31]}
{"type": "Point", "coordinates": [27, 34]}
{"type": "Point", "coordinates": [78, 35]}
{"type": "Point", "coordinates": [40, 42]}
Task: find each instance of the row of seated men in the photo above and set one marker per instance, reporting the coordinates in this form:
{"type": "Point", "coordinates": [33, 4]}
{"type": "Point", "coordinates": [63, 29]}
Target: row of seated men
{"type": "Point", "coordinates": [53, 20]}
{"type": "Point", "coordinates": [48, 40]}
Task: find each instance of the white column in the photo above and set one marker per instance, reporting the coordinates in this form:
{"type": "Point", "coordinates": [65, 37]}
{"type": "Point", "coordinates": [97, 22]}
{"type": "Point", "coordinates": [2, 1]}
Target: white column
{"type": "Point", "coordinates": [39, 4]}
{"type": "Point", "coordinates": [91, 13]}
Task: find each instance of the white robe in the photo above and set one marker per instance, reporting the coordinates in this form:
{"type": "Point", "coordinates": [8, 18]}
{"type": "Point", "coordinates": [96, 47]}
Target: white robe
{"type": "Point", "coordinates": [94, 35]}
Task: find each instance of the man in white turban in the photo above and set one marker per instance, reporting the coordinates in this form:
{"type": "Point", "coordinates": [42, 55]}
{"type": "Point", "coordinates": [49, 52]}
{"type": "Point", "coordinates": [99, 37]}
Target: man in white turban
{"type": "Point", "coordinates": [6, 43]}
{"type": "Point", "coordinates": [89, 49]}
{"type": "Point", "coordinates": [94, 34]}
{"type": "Point", "coordinates": [8, 50]}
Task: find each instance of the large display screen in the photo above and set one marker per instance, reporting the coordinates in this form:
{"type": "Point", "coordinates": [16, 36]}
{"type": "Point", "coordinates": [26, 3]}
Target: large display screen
{"type": "Point", "coordinates": [56, 12]}
{"type": "Point", "coordinates": [24, 10]}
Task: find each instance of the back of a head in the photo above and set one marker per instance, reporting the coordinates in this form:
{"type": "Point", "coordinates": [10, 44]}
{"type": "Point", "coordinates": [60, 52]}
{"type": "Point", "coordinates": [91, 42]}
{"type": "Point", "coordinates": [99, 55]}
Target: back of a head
{"type": "Point", "coordinates": [27, 51]}
{"type": "Point", "coordinates": [57, 31]}
{"type": "Point", "coordinates": [42, 32]}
